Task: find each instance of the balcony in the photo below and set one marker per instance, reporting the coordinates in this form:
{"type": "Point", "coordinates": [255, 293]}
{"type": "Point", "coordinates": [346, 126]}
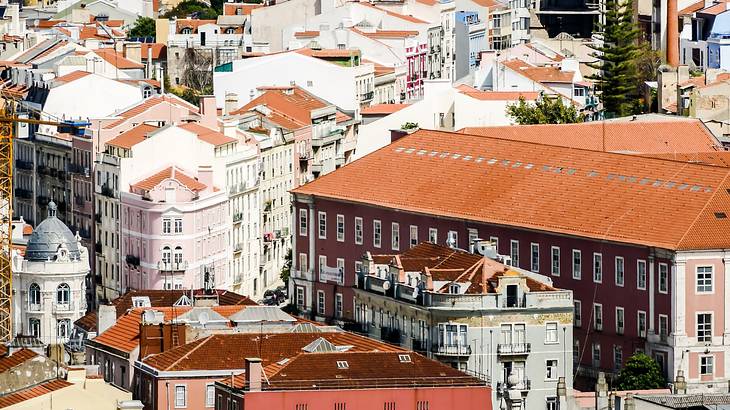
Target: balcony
{"type": "Point", "coordinates": [97, 218]}
{"type": "Point", "coordinates": [339, 161]}
{"type": "Point", "coordinates": [237, 217]}
{"type": "Point", "coordinates": [390, 334]}
{"type": "Point", "coordinates": [107, 191]}
{"type": "Point", "coordinates": [452, 350]}
{"type": "Point", "coordinates": [238, 248]}
{"type": "Point", "coordinates": [132, 260]}
{"type": "Point", "coordinates": [361, 328]}
{"type": "Point", "coordinates": [523, 385]}
{"type": "Point", "coordinates": [366, 96]}
{"type": "Point", "coordinates": [43, 170]}
{"type": "Point", "coordinates": [35, 307]}
{"type": "Point", "coordinates": [303, 156]}
{"type": "Point", "coordinates": [316, 168]}
{"type": "Point", "coordinates": [303, 274]}
{"type": "Point", "coordinates": [267, 207]}
{"type": "Point", "coordinates": [23, 193]}
{"type": "Point", "coordinates": [79, 200]}
{"type": "Point", "coordinates": [97, 247]}
{"type": "Point", "coordinates": [513, 349]}
{"type": "Point", "coordinates": [419, 346]}
{"type": "Point", "coordinates": [513, 303]}
{"type": "Point", "coordinates": [21, 164]}
{"type": "Point", "coordinates": [164, 266]}
{"type": "Point", "coordinates": [64, 307]}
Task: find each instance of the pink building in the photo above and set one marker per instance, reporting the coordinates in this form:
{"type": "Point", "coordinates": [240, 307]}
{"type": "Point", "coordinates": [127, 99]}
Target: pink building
{"type": "Point", "coordinates": [175, 228]}
{"type": "Point", "coordinates": [416, 51]}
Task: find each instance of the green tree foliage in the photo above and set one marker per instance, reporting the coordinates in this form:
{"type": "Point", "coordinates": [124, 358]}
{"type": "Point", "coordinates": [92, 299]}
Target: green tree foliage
{"type": "Point", "coordinates": [194, 9]}
{"type": "Point", "coordinates": [545, 111]}
{"type": "Point", "coordinates": [286, 269]}
{"type": "Point", "coordinates": [409, 126]}
{"type": "Point", "coordinates": [617, 54]}
{"type": "Point", "coordinates": [143, 27]}
{"type": "Point", "coordinates": [640, 372]}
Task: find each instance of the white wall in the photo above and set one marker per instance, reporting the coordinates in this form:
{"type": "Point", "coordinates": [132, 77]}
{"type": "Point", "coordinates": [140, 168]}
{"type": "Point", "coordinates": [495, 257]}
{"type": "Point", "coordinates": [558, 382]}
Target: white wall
{"type": "Point", "coordinates": [471, 112]}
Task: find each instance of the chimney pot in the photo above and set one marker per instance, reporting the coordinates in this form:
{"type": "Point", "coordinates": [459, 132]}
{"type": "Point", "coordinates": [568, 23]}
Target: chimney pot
{"type": "Point", "coordinates": [254, 371]}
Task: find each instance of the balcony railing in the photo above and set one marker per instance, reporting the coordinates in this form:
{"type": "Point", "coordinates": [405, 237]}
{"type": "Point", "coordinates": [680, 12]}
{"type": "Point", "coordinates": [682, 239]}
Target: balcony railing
{"type": "Point", "coordinates": [42, 200]}
{"type": "Point", "coordinates": [390, 334]}
{"type": "Point", "coordinates": [419, 346]}
{"type": "Point", "coordinates": [64, 307]}
{"type": "Point", "coordinates": [21, 164]}
{"type": "Point", "coordinates": [366, 96]}
{"type": "Point", "coordinates": [237, 217]}
{"type": "Point", "coordinates": [361, 328]}
{"type": "Point", "coordinates": [23, 193]}
{"type": "Point", "coordinates": [97, 247]}
{"type": "Point", "coordinates": [522, 384]}
{"type": "Point", "coordinates": [172, 266]}
{"type": "Point", "coordinates": [452, 350]}
{"type": "Point", "coordinates": [238, 248]}
{"type": "Point", "coordinates": [513, 348]}
{"type": "Point", "coordinates": [35, 307]}
{"type": "Point", "coordinates": [107, 191]}
{"type": "Point", "coordinates": [133, 260]}
{"type": "Point", "coordinates": [513, 302]}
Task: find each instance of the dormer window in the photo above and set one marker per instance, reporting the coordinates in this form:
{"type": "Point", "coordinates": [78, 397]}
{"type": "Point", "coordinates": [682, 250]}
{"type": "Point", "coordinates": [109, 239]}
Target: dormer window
{"type": "Point", "coordinates": [147, 92]}
{"type": "Point", "coordinates": [230, 30]}
{"type": "Point", "coordinates": [342, 364]}
{"type": "Point", "coordinates": [141, 301]}
{"type": "Point", "coordinates": [454, 288]}
{"type": "Point", "coordinates": [512, 300]}
{"type": "Point", "coordinates": [186, 30]}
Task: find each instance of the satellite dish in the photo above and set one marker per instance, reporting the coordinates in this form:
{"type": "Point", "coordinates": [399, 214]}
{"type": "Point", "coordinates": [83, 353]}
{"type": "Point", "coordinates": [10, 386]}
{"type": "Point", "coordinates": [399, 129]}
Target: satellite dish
{"type": "Point", "coordinates": [386, 285]}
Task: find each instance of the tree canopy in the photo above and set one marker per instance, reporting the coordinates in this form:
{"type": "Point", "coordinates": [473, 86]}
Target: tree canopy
{"type": "Point", "coordinates": [143, 27]}
{"type": "Point", "coordinates": [194, 9]}
{"type": "Point", "coordinates": [545, 111]}
{"type": "Point", "coordinates": [640, 372]}
{"type": "Point", "coordinates": [617, 52]}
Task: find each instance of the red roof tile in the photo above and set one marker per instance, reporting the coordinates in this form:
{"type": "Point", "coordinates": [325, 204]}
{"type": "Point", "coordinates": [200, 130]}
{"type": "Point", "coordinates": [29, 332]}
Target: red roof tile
{"type": "Point", "coordinates": [229, 9]}
{"type": "Point", "coordinates": [132, 137]}
{"type": "Point", "coordinates": [715, 9]}
{"type": "Point", "coordinates": [614, 197]}
{"type": "Point", "coordinates": [33, 392]}
{"type": "Point", "coordinates": [328, 53]}
{"type": "Point", "coordinates": [388, 33]}
{"type": "Point", "coordinates": [382, 109]}
{"type": "Point", "coordinates": [692, 8]}
{"type": "Point", "coordinates": [501, 95]}
{"type": "Point", "coordinates": [407, 18]}
{"type": "Point", "coordinates": [192, 24]}
{"type": "Point", "coordinates": [169, 173]}
{"type": "Point", "coordinates": [73, 76]}
{"type": "Point", "coordinates": [144, 105]}
{"type": "Point", "coordinates": [159, 50]}
{"type": "Point", "coordinates": [19, 357]}
{"type": "Point", "coordinates": [306, 34]}
{"type": "Point", "coordinates": [208, 135]}
{"type": "Point", "coordinates": [539, 74]}
{"type": "Point", "coordinates": [117, 59]}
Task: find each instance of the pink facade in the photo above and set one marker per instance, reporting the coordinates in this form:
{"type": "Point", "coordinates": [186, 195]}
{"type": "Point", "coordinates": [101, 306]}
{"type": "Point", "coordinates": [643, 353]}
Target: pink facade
{"type": "Point", "coordinates": [417, 71]}
{"type": "Point", "coordinates": [705, 302]}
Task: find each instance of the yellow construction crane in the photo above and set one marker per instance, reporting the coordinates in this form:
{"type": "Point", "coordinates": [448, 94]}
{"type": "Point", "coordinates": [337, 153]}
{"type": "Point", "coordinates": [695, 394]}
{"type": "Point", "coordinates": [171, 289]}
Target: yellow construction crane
{"type": "Point", "coordinates": [7, 121]}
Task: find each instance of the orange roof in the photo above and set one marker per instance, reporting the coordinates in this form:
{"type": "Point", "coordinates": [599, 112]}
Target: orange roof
{"type": "Point", "coordinates": [614, 197]}
{"type": "Point", "coordinates": [486, 3]}
{"type": "Point", "coordinates": [226, 351]}
{"type": "Point", "coordinates": [410, 19]}
{"type": "Point", "coordinates": [208, 135]}
{"type": "Point", "coordinates": [48, 23]}
{"type": "Point", "coordinates": [379, 69]}
{"type": "Point", "coordinates": [692, 8]}
{"type": "Point", "coordinates": [173, 173]}
{"type": "Point", "coordinates": [290, 107]}
{"type": "Point", "coordinates": [27, 229]}
{"type": "Point", "coordinates": [328, 52]}
{"type": "Point", "coordinates": [159, 50]}
{"type": "Point", "coordinates": [144, 105]}
{"type": "Point", "coordinates": [501, 95]}
{"type": "Point", "coordinates": [17, 358]}
{"type": "Point", "coordinates": [718, 158]}
{"type": "Point", "coordinates": [132, 137]}
{"type": "Point", "coordinates": [657, 136]}
{"type": "Point", "coordinates": [33, 392]}
{"type": "Point", "coordinates": [715, 10]}
{"type": "Point", "coordinates": [117, 59]}
{"type": "Point", "coordinates": [192, 24]}
{"type": "Point", "coordinates": [306, 34]}
{"type": "Point", "coordinates": [382, 109]}
{"type": "Point", "coordinates": [387, 33]}
{"type": "Point", "coordinates": [427, 2]}
{"type": "Point", "coordinates": [229, 9]}
{"type": "Point", "coordinates": [72, 76]}
{"type": "Point", "coordinates": [539, 74]}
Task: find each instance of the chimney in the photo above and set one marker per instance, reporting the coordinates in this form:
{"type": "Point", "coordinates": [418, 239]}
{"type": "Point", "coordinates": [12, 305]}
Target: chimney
{"type": "Point", "coordinates": [229, 127]}
{"type": "Point", "coordinates": [253, 373]}
{"type": "Point", "coordinates": [672, 33]}
{"type": "Point", "coordinates": [205, 176]}
{"type": "Point", "coordinates": [208, 111]}
{"type": "Point", "coordinates": [133, 51]}
{"type": "Point", "coordinates": [231, 103]}
{"type": "Point", "coordinates": [105, 318]}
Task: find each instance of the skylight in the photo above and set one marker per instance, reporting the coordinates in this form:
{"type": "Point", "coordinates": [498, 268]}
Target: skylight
{"type": "Point", "coordinates": [341, 364]}
{"type": "Point", "coordinates": [404, 358]}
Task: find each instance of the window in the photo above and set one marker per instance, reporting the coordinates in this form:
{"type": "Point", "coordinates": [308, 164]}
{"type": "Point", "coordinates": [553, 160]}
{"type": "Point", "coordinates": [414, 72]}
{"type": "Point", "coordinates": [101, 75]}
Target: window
{"type": "Point", "coordinates": [452, 239]}
{"type": "Point", "coordinates": [34, 326]}
{"type": "Point", "coordinates": [551, 403]}
{"type": "Point", "coordinates": [576, 264]}
{"type": "Point", "coordinates": [395, 236]}
{"type": "Point", "coordinates": [300, 297]}
{"type": "Point", "coordinates": [551, 369]}
{"type": "Point", "coordinates": [341, 228]}
{"type": "Point", "coordinates": [320, 302]}
{"type": "Point", "coordinates": [663, 278]}
{"type": "Point", "coordinates": [577, 314]}
{"type": "Point", "coordinates": [555, 259]}
{"type": "Point", "coordinates": [63, 294]}
{"type": "Point", "coordinates": [619, 271]}
{"type": "Point", "coordinates": [166, 255]}
{"type": "Point", "coordinates": [707, 365]}
{"type": "Point", "coordinates": [597, 316]}
{"type": "Point", "coordinates": [166, 225]}
{"type": "Point", "coordinates": [551, 332]}
{"type": "Point", "coordinates": [641, 323]}
{"type": "Point", "coordinates": [535, 257]}
{"type": "Point", "coordinates": [663, 326]}
{"type": "Point", "coordinates": [34, 296]}
{"type": "Point", "coordinates": [181, 396]}
{"type": "Point", "coordinates": [433, 234]}
{"type": "Point", "coordinates": [597, 268]}
{"type": "Point", "coordinates": [514, 252]}
{"type": "Point", "coordinates": [303, 262]}
{"type": "Point", "coordinates": [338, 305]}
{"type": "Point", "coordinates": [641, 275]}
{"type": "Point", "coordinates": [322, 225]}
{"type": "Point", "coordinates": [178, 225]}
{"type": "Point", "coordinates": [63, 328]}
{"type": "Point", "coordinates": [358, 230]}
{"type": "Point", "coordinates": [414, 235]}
{"type": "Point", "coordinates": [704, 327]}
{"type": "Point", "coordinates": [376, 233]}
{"type": "Point", "coordinates": [596, 355]}
{"type": "Point", "coordinates": [619, 320]}
{"type": "Point", "coordinates": [618, 357]}
{"type": "Point", "coordinates": [473, 236]}
{"type": "Point", "coordinates": [704, 279]}
{"type": "Point", "coordinates": [302, 222]}
{"type": "Point", "coordinates": [209, 395]}
{"type": "Point", "coordinates": [322, 264]}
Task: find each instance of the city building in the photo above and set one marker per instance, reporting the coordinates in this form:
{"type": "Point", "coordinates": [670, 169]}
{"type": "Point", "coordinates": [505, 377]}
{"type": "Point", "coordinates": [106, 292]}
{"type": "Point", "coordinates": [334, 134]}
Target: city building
{"type": "Point", "coordinates": [638, 283]}
{"type": "Point", "coordinates": [469, 311]}
{"type": "Point", "coordinates": [49, 282]}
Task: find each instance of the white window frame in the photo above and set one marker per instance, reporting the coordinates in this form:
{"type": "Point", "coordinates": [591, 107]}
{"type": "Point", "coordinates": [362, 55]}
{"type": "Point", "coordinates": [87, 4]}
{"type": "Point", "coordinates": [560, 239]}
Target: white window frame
{"type": "Point", "coordinates": [555, 257]}
{"type": "Point", "coordinates": [207, 388]}
{"type": "Point", "coordinates": [377, 227]}
{"type": "Point", "coordinates": [711, 365]}
{"type": "Point", "coordinates": [535, 259]}
{"type": "Point", "coordinates": [433, 235]}
{"type": "Point", "coordinates": [639, 314]}
{"type": "Point", "coordinates": [597, 321]}
{"type": "Point", "coordinates": [663, 289]}
{"type": "Point", "coordinates": [620, 330]}
{"type": "Point", "coordinates": [303, 222]}
{"type": "Point", "coordinates": [697, 326]}
{"type": "Point", "coordinates": [577, 313]}
{"type": "Point", "coordinates": [322, 225]}
{"type": "Point", "coordinates": [413, 233]}
{"type": "Point", "coordinates": [579, 272]}
{"type": "Point", "coordinates": [596, 347]}
{"type": "Point", "coordinates": [340, 228]}
{"type": "Point", "coordinates": [711, 280]}
{"type": "Point", "coordinates": [547, 332]}
{"type": "Point", "coordinates": [616, 270]}
{"type": "Point", "coordinates": [395, 236]}
{"type": "Point", "coordinates": [640, 262]}
{"type": "Point", "coordinates": [320, 302]}
{"type": "Point", "coordinates": [339, 305]}
{"type": "Point", "coordinates": [166, 225]}
{"type": "Point", "coordinates": [665, 319]}
{"type": "Point", "coordinates": [514, 252]}
{"type": "Point", "coordinates": [185, 396]}
{"type": "Point", "coordinates": [597, 267]}
{"type": "Point", "coordinates": [358, 232]}
{"type": "Point", "coordinates": [555, 371]}
{"type": "Point", "coordinates": [618, 363]}
{"type": "Point", "coordinates": [303, 262]}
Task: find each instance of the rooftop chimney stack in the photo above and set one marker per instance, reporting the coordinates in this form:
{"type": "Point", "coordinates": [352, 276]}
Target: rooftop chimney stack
{"type": "Point", "coordinates": [254, 371]}
{"type": "Point", "coordinates": [105, 318]}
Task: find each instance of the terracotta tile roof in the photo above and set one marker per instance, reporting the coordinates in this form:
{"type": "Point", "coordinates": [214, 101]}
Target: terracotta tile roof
{"type": "Point", "coordinates": [48, 49]}
{"type": "Point", "coordinates": [615, 197]}
{"type": "Point", "coordinates": [48, 23]}
{"type": "Point", "coordinates": [501, 95]}
{"type": "Point", "coordinates": [379, 68]}
{"type": "Point", "coordinates": [671, 135]}
{"type": "Point", "coordinates": [486, 3]}
{"type": "Point", "coordinates": [226, 351]}
{"type": "Point", "coordinates": [132, 137]}
{"type": "Point", "coordinates": [73, 76]}
{"type": "Point", "coordinates": [539, 74]}
{"type": "Point", "coordinates": [144, 105]}
{"type": "Point", "coordinates": [306, 34]}
{"type": "Point", "coordinates": [229, 9]}
{"type": "Point", "coordinates": [117, 59]}
{"type": "Point", "coordinates": [27, 229]}
{"type": "Point", "coordinates": [192, 24]}
{"type": "Point", "coordinates": [717, 158]}
{"type": "Point", "coordinates": [33, 392]}
{"type": "Point", "coordinates": [382, 109]}
{"type": "Point", "coordinates": [212, 137]}
{"type": "Point", "coordinates": [389, 33]}
{"type": "Point", "coordinates": [328, 52]}
{"type": "Point", "coordinates": [159, 50]}
{"type": "Point", "coordinates": [407, 18]}
{"type": "Point", "coordinates": [715, 9]}
{"type": "Point", "coordinates": [427, 2]}
{"type": "Point", "coordinates": [692, 8]}
{"type": "Point", "coordinates": [694, 81]}
{"type": "Point", "coordinates": [364, 370]}
{"type": "Point", "coordinates": [173, 173]}
{"type": "Point", "coordinates": [290, 107]}
{"type": "Point", "coordinates": [19, 357]}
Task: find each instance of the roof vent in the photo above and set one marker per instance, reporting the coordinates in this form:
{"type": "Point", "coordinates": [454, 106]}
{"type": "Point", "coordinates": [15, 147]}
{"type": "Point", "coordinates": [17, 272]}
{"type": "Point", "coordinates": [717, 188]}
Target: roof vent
{"type": "Point", "coordinates": [341, 364]}
{"type": "Point", "coordinates": [720, 215]}
{"type": "Point", "coordinates": [404, 358]}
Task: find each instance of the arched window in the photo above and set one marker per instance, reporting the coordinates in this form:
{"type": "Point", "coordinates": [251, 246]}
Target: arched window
{"type": "Point", "coordinates": [166, 254]}
{"type": "Point", "coordinates": [147, 92]}
{"type": "Point", "coordinates": [34, 327]}
{"type": "Point", "coordinates": [63, 294]}
{"type": "Point", "coordinates": [231, 30]}
{"type": "Point", "coordinates": [34, 296]}
{"type": "Point", "coordinates": [178, 254]}
{"type": "Point", "coordinates": [63, 328]}
{"type": "Point", "coordinates": [186, 30]}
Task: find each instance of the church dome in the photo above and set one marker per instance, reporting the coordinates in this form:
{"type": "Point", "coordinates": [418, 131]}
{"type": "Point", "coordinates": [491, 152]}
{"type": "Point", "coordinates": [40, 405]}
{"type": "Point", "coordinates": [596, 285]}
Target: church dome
{"type": "Point", "coordinates": [48, 236]}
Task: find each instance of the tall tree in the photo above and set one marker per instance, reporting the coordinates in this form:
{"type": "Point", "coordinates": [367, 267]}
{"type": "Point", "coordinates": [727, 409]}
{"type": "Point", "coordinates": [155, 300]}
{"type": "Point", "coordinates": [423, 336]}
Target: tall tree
{"type": "Point", "coordinates": [617, 51]}
{"type": "Point", "coordinates": [143, 27]}
{"type": "Point", "coordinates": [545, 111]}
{"type": "Point", "coordinates": [640, 372]}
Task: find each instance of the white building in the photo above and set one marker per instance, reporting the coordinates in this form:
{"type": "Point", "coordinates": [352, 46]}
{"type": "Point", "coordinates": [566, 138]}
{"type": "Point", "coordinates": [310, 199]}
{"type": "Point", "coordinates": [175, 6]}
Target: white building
{"type": "Point", "coordinates": [49, 282]}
